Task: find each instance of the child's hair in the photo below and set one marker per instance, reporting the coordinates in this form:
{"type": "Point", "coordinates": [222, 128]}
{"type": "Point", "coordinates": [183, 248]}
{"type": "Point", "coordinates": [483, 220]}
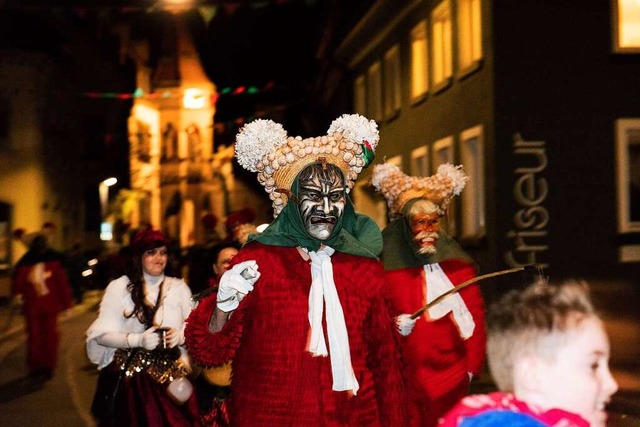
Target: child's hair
{"type": "Point", "coordinates": [535, 321]}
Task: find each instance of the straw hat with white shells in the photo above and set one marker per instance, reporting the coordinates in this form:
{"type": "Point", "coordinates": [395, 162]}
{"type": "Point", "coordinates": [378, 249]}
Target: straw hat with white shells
{"type": "Point", "coordinates": [398, 188]}
{"type": "Point", "coordinates": [263, 146]}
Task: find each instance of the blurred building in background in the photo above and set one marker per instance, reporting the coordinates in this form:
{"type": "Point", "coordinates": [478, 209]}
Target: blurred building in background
{"type": "Point", "coordinates": [56, 143]}
{"type": "Point", "coordinates": [177, 176]}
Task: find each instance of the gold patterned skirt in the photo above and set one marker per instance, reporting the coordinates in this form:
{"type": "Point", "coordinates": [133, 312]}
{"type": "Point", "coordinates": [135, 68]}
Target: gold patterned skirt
{"type": "Point", "coordinates": [161, 365]}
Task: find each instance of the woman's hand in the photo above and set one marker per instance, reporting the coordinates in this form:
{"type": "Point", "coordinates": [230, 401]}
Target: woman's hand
{"type": "Point", "coordinates": [149, 339]}
{"type": "Point", "coordinates": [174, 337]}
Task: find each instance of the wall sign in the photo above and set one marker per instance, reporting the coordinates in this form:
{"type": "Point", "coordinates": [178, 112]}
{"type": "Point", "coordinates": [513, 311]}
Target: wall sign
{"type": "Point", "coordinates": [528, 238]}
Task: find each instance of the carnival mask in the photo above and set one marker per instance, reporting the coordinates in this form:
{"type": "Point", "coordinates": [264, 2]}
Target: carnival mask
{"type": "Point", "coordinates": [322, 198]}
{"type": "Point", "coordinates": [424, 221]}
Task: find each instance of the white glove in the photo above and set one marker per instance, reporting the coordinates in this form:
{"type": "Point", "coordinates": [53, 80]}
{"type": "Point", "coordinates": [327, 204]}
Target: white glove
{"type": "Point", "coordinates": [148, 340]}
{"type": "Point", "coordinates": [236, 283]}
{"type": "Point", "coordinates": [405, 324]}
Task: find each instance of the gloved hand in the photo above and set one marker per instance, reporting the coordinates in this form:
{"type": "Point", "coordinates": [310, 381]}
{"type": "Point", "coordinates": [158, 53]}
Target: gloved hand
{"type": "Point", "coordinates": [405, 324]}
{"type": "Point", "coordinates": [236, 283]}
{"type": "Point", "coordinates": [148, 340]}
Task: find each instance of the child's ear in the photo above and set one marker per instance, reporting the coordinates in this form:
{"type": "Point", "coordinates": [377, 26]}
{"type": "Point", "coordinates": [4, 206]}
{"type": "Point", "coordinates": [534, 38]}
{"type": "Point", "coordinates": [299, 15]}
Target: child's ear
{"type": "Point", "coordinates": [528, 375]}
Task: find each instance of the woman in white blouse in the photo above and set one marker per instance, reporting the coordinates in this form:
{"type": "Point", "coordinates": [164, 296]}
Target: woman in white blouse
{"type": "Point", "coordinates": [140, 330]}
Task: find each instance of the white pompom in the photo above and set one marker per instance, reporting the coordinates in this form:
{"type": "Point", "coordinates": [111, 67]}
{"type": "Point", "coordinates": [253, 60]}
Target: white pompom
{"type": "Point", "coordinates": [381, 173]}
{"type": "Point", "coordinates": [456, 175]}
{"type": "Point", "coordinates": [180, 390]}
{"type": "Point", "coordinates": [356, 128]}
{"type": "Point", "coordinates": [256, 139]}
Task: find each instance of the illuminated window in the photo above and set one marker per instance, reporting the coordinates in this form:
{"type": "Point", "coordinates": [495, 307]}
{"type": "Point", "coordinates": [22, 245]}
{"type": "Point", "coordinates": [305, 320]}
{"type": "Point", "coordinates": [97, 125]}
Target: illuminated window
{"type": "Point", "coordinates": [628, 159]}
{"type": "Point", "coordinates": [420, 161]}
{"type": "Point", "coordinates": [627, 25]}
{"type": "Point", "coordinates": [374, 98]}
{"type": "Point", "coordinates": [392, 97]}
{"type": "Point", "coordinates": [360, 96]}
{"type": "Point", "coordinates": [419, 61]}
{"type": "Point", "coordinates": [370, 202]}
{"type": "Point", "coordinates": [473, 201]}
{"type": "Point", "coordinates": [443, 153]}
{"type": "Point", "coordinates": [469, 32]}
{"type": "Point", "coordinates": [396, 160]}
{"type": "Point", "coordinates": [441, 42]}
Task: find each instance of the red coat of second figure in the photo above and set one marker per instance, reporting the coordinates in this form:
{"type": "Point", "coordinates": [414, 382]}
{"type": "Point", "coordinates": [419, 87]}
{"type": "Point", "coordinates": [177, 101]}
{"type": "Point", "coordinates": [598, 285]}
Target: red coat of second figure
{"type": "Point", "coordinates": [437, 360]}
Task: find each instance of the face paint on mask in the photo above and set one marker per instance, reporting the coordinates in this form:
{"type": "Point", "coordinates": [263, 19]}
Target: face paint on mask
{"type": "Point", "coordinates": [424, 221]}
{"type": "Point", "coordinates": [322, 199]}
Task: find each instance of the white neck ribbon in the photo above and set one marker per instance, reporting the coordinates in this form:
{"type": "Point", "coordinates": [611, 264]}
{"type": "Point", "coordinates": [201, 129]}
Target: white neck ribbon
{"type": "Point", "coordinates": [323, 292]}
{"type": "Point", "coordinates": [438, 283]}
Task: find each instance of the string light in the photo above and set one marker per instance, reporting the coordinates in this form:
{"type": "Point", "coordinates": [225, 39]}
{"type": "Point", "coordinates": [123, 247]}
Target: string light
{"type": "Point", "coordinates": [139, 93]}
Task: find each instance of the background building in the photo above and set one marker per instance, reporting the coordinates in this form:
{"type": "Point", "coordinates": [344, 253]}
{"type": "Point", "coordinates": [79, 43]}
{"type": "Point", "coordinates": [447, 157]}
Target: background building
{"type": "Point", "coordinates": [539, 102]}
{"type": "Point", "coordinates": [542, 114]}
{"type": "Point", "coordinates": [177, 176]}
{"type": "Point", "coordinates": [57, 143]}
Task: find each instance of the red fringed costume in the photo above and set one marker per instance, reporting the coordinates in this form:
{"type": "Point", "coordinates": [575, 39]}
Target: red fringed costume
{"type": "Point", "coordinates": [436, 359]}
{"type": "Point", "coordinates": [275, 380]}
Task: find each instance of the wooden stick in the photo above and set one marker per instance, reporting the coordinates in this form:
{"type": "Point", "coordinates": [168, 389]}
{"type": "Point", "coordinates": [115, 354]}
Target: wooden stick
{"type": "Point", "coordinates": [471, 281]}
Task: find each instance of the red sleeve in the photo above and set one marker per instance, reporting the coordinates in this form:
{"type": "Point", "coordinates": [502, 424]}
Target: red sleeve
{"type": "Point", "coordinates": [209, 349]}
{"type": "Point", "coordinates": [384, 360]}
{"type": "Point", "coordinates": [459, 272]}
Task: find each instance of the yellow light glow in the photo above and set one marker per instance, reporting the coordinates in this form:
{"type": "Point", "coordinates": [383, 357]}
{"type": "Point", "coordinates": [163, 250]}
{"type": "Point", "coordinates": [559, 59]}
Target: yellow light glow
{"type": "Point", "coordinates": [176, 2]}
{"type": "Point", "coordinates": [419, 61]}
{"type": "Point", "coordinates": [194, 99]}
{"type": "Point", "coordinates": [110, 181]}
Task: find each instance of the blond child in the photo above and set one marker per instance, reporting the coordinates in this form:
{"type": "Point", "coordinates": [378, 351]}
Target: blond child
{"type": "Point", "coordinates": [548, 354]}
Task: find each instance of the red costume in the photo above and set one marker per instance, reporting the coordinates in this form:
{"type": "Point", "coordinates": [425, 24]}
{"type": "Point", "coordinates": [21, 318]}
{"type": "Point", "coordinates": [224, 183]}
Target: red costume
{"type": "Point", "coordinates": [275, 380]}
{"type": "Point", "coordinates": [436, 358]}
{"type": "Point", "coordinates": [41, 280]}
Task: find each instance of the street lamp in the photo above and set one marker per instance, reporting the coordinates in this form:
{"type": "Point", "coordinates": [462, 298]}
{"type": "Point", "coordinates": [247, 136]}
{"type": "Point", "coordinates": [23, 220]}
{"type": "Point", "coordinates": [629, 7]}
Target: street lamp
{"type": "Point", "coordinates": [103, 188]}
{"type": "Point", "coordinates": [104, 194]}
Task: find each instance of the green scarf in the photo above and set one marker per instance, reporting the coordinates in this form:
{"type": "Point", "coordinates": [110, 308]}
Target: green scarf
{"type": "Point", "coordinates": [400, 251]}
{"type": "Point", "coordinates": [354, 233]}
